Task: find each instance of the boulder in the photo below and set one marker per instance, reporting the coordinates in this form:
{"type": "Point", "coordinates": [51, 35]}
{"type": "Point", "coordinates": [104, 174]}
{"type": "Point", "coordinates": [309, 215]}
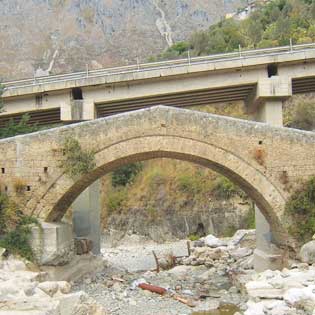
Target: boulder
{"type": "Point", "coordinates": [10, 290]}
{"type": "Point", "coordinates": [269, 307]}
{"type": "Point", "coordinates": [12, 264]}
{"type": "Point", "coordinates": [307, 252]}
{"type": "Point", "coordinates": [296, 295]}
{"type": "Point", "coordinates": [49, 287]}
{"type": "Point", "coordinates": [263, 289]}
{"type": "Point", "coordinates": [213, 241]}
{"type": "Point", "coordinates": [79, 303]}
{"type": "Point", "coordinates": [244, 238]}
{"type": "Point", "coordinates": [241, 252]}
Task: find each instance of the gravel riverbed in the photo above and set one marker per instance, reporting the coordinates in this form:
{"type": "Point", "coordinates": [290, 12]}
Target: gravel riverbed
{"type": "Point", "coordinates": [116, 288]}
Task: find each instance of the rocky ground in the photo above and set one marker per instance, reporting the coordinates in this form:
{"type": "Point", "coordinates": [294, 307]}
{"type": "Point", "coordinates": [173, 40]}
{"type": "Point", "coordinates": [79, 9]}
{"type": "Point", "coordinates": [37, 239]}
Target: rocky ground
{"type": "Point", "coordinates": [201, 281]}
{"type": "Point", "coordinates": [27, 292]}
{"type": "Point", "coordinates": [216, 278]}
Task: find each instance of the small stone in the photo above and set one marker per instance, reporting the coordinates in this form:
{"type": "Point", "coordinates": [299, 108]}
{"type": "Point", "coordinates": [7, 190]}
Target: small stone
{"type": "Point", "coordinates": [87, 281]}
{"type": "Point", "coordinates": [64, 287]}
{"type": "Point", "coordinates": [188, 292]}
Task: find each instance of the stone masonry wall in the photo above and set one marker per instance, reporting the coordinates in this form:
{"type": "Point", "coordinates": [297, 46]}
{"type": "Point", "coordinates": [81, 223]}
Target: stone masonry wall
{"type": "Point", "coordinates": [266, 162]}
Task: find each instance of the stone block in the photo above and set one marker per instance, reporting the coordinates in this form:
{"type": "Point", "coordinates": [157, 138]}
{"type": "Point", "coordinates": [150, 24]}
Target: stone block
{"type": "Point", "coordinates": [53, 243]}
{"type": "Point", "coordinates": [83, 246]}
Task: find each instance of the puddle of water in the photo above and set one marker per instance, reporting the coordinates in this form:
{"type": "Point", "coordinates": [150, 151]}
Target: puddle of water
{"type": "Point", "coordinates": [222, 310]}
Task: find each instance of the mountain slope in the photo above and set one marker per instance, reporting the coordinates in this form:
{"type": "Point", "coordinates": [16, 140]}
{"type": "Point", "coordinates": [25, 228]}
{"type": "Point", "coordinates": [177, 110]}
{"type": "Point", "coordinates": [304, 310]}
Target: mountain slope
{"type": "Point", "coordinates": [66, 35]}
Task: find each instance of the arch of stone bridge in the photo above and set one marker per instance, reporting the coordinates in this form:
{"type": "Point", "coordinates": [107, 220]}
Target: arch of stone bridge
{"type": "Point", "coordinates": [59, 196]}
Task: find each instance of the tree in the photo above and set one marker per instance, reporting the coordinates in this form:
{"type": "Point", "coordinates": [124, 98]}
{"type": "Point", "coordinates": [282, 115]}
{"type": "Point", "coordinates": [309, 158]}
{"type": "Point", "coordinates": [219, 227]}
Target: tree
{"type": "Point", "coordinates": [13, 128]}
{"type": "Point", "coordinates": [125, 174]}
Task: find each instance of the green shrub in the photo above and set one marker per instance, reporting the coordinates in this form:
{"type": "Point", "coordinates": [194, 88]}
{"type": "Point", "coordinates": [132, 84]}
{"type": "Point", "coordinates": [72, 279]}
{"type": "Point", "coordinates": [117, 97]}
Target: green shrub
{"type": "Point", "coordinates": [9, 214]}
{"type": "Point", "coordinates": [193, 237]}
{"type": "Point", "coordinates": [249, 219]}
{"type": "Point", "coordinates": [115, 200]}
{"type": "Point", "coordinates": [301, 210]}
{"type": "Point", "coordinates": [17, 242]}
{"type": "Point", "coordinates": [230, 230]}
{"type": "Point", "coordinates": [189, 184]}
{"type": "Point", "coordinates": [224, 188]}
{"type": "Point", "coordinates": [76, 161]}
{"type": "Point", "coordinates": [125, 174]}
{"type": "Point", "coordinates": [14, 228]}
{"type": "Point", "coordinates": [153, 212]}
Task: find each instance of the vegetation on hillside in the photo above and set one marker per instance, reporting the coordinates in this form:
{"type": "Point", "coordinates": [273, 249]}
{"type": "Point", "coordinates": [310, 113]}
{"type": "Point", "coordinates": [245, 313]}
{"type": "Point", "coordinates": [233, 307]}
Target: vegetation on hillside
{"type": "Point", "coordinates": [125, 174]}
{"type": "Point", "coordinates": [300, 112]}
{"type": "Point", "coordinates": [165, 188]}
{"type": "Point", "coordinates": [271, 24]}
{"type": "Point", "coordinates": [301, 210]}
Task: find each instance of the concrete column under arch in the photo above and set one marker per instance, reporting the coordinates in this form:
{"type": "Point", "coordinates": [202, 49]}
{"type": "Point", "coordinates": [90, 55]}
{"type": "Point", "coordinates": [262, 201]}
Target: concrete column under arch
{"type": "Point", "coordinates": [87, 216]}
{"type": "Point", "coordinates": [267, 255]}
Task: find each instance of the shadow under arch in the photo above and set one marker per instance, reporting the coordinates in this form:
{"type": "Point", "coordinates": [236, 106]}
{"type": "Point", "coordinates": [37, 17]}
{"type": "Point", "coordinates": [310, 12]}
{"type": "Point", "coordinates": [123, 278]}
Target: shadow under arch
{"type": "Point", "coordinates": [251, 179]}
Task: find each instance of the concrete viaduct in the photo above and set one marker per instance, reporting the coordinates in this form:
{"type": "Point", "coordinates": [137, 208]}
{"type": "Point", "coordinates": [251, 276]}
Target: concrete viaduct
{"type": "Point", "coordinates": [262, 79]}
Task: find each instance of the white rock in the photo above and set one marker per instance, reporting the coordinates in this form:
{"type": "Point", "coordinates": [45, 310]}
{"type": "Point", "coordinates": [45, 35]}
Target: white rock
{"type": "Point", "coordinates": [263, 289]}
{"type": "Point", "coordinates": [10, 290]}
{"type": "Point", "coordinates": [12, 264]}
{"type": "Point", "coordinates": [180, 270]}
{"type": "Point", "coordinates": [307, 252]}
{"type": "Point", "coordinates": [240, 235]}
{"type": "Point", "coordinates": [268, 307]}
{"type": "Point", "coordinates": [64, 287]}
{"type": "Point", "coordinates": [296, 295]}
{"type": "Point", "coordinates": [79, 303]}
{"type": "Point", "coordinates": [241, 252]}
{"type": "Point", "coordinates": [213, 241]}
{"type": "Point", "coordinates": [49, 287]}
{"type": "Point", "coordinates": [254, 308]}
{"type": "Point", "coordinates": [135, 283]}
{"type": "Point", "coordinates": [247, 263]}
{"type": "Point", "coordinates": [188, 292]}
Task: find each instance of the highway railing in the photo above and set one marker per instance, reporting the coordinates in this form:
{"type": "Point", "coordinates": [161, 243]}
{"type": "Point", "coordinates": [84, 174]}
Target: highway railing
{"type": "Point", "coordinates": [158, 65]}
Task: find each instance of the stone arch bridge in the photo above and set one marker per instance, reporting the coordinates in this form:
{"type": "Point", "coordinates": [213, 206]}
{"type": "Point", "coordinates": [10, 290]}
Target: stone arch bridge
{"type": "Point", "coordinates": [266, 162]}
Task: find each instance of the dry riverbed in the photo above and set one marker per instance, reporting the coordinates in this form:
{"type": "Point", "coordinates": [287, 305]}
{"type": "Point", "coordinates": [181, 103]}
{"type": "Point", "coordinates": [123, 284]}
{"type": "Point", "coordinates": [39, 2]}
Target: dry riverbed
{"type": "Point", "coordinates": [201, 281]}
{"type": "Point", "coordinates": [217, 278]}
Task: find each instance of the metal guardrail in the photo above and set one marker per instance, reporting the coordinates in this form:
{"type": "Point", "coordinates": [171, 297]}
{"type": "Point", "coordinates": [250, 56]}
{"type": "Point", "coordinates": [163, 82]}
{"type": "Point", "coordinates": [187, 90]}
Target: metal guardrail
{"type": "Point", "coordinates": [157, 65]}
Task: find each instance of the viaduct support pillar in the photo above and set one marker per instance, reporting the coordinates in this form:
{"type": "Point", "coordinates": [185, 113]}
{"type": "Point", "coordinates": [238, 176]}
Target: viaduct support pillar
{"type": "Point", "coordinates": [266, 255]}
{"type": "Point", "coordinates": [266, 106]}
{"type": "Point", "coordinates": [270, 111]}
{"type": "Point", "coordinates": [86, 216]}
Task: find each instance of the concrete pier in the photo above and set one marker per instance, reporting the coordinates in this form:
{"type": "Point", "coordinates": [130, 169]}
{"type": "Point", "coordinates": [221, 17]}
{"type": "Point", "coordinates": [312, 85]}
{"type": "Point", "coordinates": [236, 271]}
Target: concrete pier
{"type": "Point", "coordinates": [86, 216]}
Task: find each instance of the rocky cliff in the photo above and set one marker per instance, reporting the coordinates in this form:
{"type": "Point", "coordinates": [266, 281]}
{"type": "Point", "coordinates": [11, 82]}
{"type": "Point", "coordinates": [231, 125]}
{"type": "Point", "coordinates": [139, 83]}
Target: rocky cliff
{"type": "Point", "coordinates": [54, 36]}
